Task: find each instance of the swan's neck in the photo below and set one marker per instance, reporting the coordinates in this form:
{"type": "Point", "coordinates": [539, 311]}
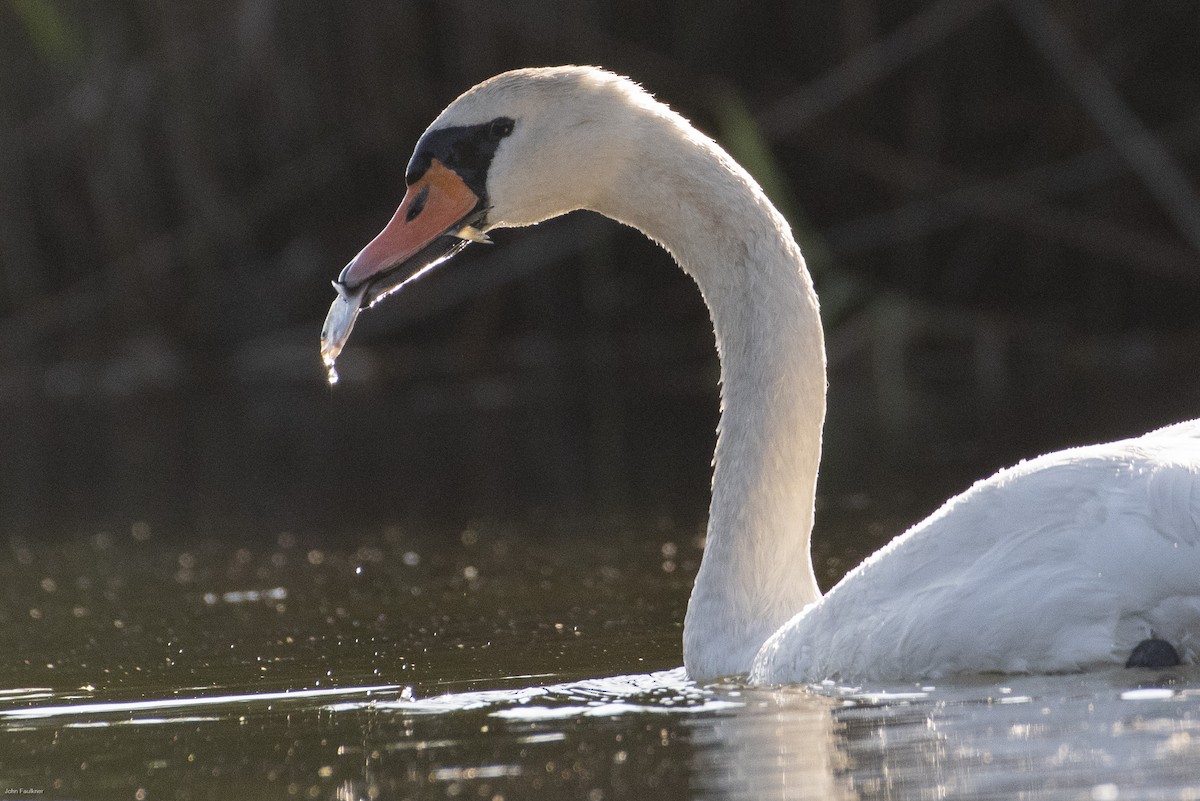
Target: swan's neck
{"type": "Point", "coordinates": [757, 569]}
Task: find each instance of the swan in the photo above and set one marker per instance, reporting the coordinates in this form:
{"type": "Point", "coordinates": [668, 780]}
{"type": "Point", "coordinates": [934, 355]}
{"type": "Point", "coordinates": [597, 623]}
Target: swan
{"type": "Point", "coordinates": [1084, 558]}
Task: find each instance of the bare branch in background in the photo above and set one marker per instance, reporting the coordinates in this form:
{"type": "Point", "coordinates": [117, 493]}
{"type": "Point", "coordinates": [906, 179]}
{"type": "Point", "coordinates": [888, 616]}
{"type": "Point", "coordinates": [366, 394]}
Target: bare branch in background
{"type": "Point", "coordinates": [1161, 175]}
{"type": "Point", "coordinates": [925, 30]}
{"type": "Point", "coordinates": [1000, 201]}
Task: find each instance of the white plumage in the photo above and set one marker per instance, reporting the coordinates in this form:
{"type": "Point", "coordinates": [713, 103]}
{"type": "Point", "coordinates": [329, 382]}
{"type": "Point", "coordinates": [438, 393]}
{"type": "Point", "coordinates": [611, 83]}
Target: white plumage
{"type": "Point", "coordinates": [1061, 563]}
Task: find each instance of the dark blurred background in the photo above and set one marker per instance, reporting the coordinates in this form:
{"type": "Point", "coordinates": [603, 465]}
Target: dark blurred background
{"type": "Point", "coordinates": [998, 200]}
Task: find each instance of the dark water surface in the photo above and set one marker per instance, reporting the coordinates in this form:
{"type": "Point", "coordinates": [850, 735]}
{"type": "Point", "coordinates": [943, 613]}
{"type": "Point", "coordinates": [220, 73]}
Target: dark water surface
{"type": "Point", "coordinates": [471, 665]}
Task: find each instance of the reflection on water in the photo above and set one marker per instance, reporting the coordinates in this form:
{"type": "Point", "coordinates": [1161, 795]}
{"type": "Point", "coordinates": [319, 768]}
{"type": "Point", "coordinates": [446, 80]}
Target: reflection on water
{"type": "Point", "coordinates": [409, 668]}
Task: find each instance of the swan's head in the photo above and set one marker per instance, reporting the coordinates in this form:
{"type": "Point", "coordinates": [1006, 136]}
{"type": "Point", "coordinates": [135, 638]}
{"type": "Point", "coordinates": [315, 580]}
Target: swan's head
{"type": "Point", "coordinates": [517, 149]}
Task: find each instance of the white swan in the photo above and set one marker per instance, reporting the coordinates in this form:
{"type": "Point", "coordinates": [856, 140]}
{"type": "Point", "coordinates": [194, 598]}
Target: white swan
{"type": "Point", "coordinates": [1061, 563]}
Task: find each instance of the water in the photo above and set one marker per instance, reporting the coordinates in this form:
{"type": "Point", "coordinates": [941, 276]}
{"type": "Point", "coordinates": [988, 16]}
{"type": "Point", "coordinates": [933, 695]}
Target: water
{"type": "Point", "coordinates": [487, 664]}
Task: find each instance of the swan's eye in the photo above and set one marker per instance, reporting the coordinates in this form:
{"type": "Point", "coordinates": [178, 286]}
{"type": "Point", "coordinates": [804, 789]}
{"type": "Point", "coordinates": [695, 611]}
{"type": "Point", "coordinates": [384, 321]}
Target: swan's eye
{"type": "Point", "coordinates": [500, 127]}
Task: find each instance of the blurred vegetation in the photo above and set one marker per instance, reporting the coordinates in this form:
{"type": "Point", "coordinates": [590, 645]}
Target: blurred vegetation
{"type": "Point", "coordinates": [49, 31]}
{"type": "Point", "coordinates": [997, 198]}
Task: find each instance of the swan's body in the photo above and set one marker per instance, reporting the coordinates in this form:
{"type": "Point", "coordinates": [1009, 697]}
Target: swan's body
{"type": "Point", "coordinates": [1063, 562]}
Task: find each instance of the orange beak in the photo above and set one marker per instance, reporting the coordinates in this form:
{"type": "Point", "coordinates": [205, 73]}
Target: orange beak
{"type": "Point", "coordinates": [433, 206]}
